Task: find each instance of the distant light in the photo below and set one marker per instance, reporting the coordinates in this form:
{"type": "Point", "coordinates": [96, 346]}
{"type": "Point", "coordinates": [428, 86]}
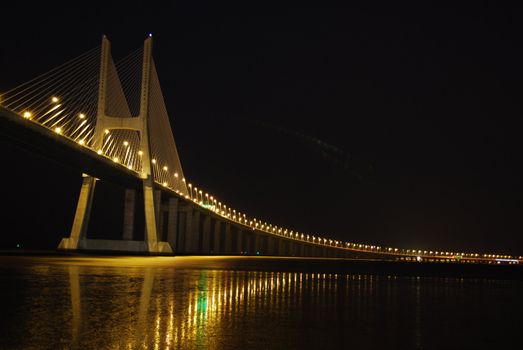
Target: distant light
{"type": "Point", "coordinates": [165, 184]}
{"type": "Point", "coordinates": [153, 161]}
{"type": "Point", "coordinates": [175, 174]}
{"type": "Point", "coordinates": [150, 35]}
{"type": "Point", "coordinates": [81, 142]}
{"type": "Point", "coordinates": [81, 116]}
{"type": "Point", "coordinates": [165, 167]}
{"type": "Point", "coordinates": [418, 258]}
{"type": "Point", "coordinates": [115, 159]}
{"type": "Point", "coordinates": [99, 151]}
{"type": "Point", "coordinates": [130, 167]}
{"type": "Point", "coordinates": [54, 99]}
{"type": "Point", "coordinates": [125, 143]}
{"type": "Point", "coordinates": [140, 153]}
{"type": "Point", "coordinates": [58, 130]}
{"type": "Point", "coordinates": [27, 115]}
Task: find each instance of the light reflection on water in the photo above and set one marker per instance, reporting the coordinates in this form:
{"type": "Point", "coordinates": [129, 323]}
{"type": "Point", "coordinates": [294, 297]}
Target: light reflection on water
{"type": "Point", "coordinates": [148, 303]}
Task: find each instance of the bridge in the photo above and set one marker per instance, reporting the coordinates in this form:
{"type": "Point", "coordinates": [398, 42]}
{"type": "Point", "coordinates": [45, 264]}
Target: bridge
{"type": "Point", "coordinates": [108, 120]}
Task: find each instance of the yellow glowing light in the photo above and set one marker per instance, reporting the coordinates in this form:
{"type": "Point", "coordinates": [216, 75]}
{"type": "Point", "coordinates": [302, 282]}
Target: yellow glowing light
{"type": "Point", "coordinates": [140, 153]}
{"type": "Point", "coordinates": [165, 167]}
{"type": "Point", "coordinates": [106, 131]}
{"type": "Point", "coordinates": [125, 143]}
{"type": "Point", "coordinates": [99, 151]}
{"type": "Point", "coordinates": [58, 130]}
{"type": "Point", "coordinates": [81, 116]}
{"type": "Point", "coordinates": [130, 167]}
{"type": "Point", "coordinates": [153, 161]}
{"type": "Point", "coordinates": [27, 115]}
{"type": "Point", "coordinates": [115, 159]}
{"type": "Point", "coordinates": [165, 184]}
{"type": "Point", "coordinates": [54, 99]}
{"type": "Point", "coordinates": [81, 142]}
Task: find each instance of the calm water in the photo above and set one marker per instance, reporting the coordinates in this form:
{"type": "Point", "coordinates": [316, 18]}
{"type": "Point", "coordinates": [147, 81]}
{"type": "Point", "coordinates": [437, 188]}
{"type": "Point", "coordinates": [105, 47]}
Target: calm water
{"type": "Point", "coordinates": [232, 303]}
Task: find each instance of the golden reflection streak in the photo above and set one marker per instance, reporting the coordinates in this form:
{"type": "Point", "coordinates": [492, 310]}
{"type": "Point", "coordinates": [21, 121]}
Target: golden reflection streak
{"type": "Point", "coordinates": [74, 285]}
{"type": "Point", "coordinates": [145, 297]}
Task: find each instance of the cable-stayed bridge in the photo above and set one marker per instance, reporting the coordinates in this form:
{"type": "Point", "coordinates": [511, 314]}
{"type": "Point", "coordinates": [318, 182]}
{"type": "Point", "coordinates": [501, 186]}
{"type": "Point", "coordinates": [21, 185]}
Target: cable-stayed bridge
{"type": "Point", "coordinates": [110, 121]}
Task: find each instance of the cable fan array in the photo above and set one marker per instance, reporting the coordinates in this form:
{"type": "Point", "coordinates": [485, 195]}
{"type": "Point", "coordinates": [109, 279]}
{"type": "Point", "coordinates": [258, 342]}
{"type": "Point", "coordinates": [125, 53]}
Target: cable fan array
{"type": "Point", "coordinates": [65, 100]}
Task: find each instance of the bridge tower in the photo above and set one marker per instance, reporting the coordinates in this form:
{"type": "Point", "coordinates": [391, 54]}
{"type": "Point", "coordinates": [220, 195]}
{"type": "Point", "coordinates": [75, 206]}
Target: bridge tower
{"type": "Point", "coordinates": [77, 239]}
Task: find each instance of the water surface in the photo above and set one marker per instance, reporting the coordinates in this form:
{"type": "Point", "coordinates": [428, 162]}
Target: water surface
{"type": "Point", "coordinates": [235, 303]}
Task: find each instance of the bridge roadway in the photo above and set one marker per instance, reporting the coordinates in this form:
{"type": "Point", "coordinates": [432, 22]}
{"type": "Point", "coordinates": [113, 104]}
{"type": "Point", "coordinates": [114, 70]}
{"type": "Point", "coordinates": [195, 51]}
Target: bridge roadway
{"type": "Point", "coordinates": [191, 228]}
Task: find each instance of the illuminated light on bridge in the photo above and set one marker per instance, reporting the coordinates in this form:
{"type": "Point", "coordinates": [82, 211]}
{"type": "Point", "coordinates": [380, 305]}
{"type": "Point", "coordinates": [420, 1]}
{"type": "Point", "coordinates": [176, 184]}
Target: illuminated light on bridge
{"type": "Point", "coordinates": [91, 129]}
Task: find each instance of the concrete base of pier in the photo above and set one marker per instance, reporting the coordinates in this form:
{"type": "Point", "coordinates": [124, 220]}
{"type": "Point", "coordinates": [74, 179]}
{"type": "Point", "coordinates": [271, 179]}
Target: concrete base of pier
{"type": "Point", "coordinates": [107, 245]}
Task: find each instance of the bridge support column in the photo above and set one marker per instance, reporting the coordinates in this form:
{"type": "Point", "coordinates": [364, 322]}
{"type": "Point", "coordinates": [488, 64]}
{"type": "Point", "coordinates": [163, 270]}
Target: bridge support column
{"type": "Point", "coordinates": [270, 246]}
{"type": "Point", "coordinates": [302, 249]}
{"type": "Point", "coordinates": [228, 238]}
{"type": "Point", "coordinates": [172, 222]}
{"type": "Point", "coordinates": [239, 241]}
{"type": "Point", "coordinates": [158, 213]}
{"type": "Point", "coordinates": [83, 212]}
{"type": "Point", "coordinates": [206, 234]}
{"type": "Point", "coordinates": [257, 243]}
{"type": "Point", "coordinates": [128, 214]}
{"type": "Point", "coordinates": [188, 229]}
{"type": "Point", "coordinates": [151, 234]}
{"type": "Point", "coordinates": [217, 236]}
{"type": "Point", "coordinates": [195, 248]}
{"type": "Point", "coordinates": [281, 247]}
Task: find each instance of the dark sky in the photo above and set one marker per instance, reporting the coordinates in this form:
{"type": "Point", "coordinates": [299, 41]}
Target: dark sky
{"type": "Point", "coordinates": [386, 124]}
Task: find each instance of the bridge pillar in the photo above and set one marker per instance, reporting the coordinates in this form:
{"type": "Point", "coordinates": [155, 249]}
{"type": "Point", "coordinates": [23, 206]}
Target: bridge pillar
{"type": "Point", "coordinates": [188, 229]}
{"type": "Point", "coordinates": [81, 217]}
{"type": "Point", "coordinates": [292, 248]}
{"type": "Point", "coordinates": [239, 241]}
{"type": "Point", "coordinates": [228, 239]}
{"type": "Point", "coordinates": [217, 236]}
{"type": "Point", "coordinates": [128, 214]}
{"type": "Point", "coordinates": [257, 243]}
{"type": "Point", "coordinates": [302, 249]}
{"type": "Point", "coordinates": [196, 231]}
{"type": "Point", "coordinates": [270, 246]}
{"type": "Point", "coordinates": [206, 234]}
{"type": "Point", "coordinates": [157, 213]}
{"type": "Point", "coordinates": [281, 247]}
{"type": "Point", "coordinates": [172, 222]}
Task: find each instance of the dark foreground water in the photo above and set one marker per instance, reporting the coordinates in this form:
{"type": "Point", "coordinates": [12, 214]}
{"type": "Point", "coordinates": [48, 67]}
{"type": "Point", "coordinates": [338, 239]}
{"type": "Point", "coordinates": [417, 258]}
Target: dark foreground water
{"type": "Point", "coordinates": [246, 303]}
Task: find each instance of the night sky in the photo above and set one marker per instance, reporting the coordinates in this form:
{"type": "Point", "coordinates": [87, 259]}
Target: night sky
{"type": "Point", "coordinates": [389, 124]}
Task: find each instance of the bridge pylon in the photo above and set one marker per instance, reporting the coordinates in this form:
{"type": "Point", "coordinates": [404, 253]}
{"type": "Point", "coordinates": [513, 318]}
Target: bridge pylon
{"type": "Point", "coordinates": [105, 123]}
